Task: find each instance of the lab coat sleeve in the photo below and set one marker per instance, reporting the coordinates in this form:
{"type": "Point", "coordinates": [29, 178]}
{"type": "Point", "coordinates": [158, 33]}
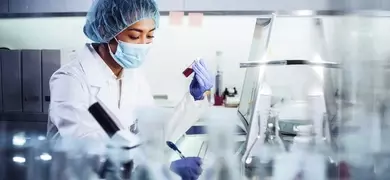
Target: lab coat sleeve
{"type": "Point", "coordinates": [186, 114]}
{"type": "Point", "coordinates": [69, 108]}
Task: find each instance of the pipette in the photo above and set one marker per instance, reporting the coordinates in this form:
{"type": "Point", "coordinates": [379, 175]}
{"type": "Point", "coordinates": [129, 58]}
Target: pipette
{"type": "Point", "coordinates": [174, 147]}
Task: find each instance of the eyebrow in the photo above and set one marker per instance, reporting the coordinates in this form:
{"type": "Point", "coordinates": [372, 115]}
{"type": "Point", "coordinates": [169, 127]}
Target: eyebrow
{"type": "Point", "coordinates": [140, 30]}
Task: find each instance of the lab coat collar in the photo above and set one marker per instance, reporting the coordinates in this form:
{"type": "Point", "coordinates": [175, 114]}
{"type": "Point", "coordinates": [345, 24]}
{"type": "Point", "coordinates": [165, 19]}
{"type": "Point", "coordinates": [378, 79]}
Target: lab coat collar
{"type": "Point", "coordinates": [97, 71]}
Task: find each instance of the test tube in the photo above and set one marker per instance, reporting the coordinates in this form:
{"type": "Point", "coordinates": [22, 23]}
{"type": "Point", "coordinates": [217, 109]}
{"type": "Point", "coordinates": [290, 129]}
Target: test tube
{"type": "Point", "coordinates": [188, 71]}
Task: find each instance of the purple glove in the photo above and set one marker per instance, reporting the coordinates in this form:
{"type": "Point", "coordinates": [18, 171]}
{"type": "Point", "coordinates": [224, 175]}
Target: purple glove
{"type": "Point", "coordinates": [202, 81]}
{"type": "Point", "coordinates": [187, 168]}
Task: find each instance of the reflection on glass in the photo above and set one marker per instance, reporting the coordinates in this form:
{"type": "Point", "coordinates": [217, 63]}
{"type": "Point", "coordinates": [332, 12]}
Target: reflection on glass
{"type": "Point", "coordinates": [19, 159]}
{"type": "Point", "coordinates": [45, 157]}
{"type": "Point", "coordinates": [41, 138]}
{"type": "Point", "coordinates": [19, 139]}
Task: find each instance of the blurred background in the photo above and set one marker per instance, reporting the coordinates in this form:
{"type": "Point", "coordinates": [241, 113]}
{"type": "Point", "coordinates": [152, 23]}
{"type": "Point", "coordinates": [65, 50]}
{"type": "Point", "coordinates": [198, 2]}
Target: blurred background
{"type": "Point", "coordinates": [39, 36]}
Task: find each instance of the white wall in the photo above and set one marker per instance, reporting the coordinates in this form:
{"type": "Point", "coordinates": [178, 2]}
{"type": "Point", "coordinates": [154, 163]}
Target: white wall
{"type": "Point", "coordinates": [174, 49]}
{"type": "Point", "coordinates": [176, 46]}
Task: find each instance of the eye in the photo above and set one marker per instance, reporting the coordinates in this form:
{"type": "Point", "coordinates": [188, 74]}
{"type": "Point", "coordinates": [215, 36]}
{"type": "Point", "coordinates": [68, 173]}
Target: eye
{"type": "Point", "coordinates": [133, 37]}
{"type": "Point", "coordinates": [150, 37]}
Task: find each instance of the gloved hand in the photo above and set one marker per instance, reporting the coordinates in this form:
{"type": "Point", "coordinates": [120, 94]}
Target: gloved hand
{"type": "Point", "coordinates": [202, 81]}
{"type": "Point", "coordinates": [187, 168]}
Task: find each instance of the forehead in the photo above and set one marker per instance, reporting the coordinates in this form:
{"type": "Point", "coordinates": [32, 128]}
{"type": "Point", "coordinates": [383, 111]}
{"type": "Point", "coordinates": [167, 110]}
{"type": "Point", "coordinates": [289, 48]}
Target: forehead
{"type": "Point", "coordinates": [144, 25]}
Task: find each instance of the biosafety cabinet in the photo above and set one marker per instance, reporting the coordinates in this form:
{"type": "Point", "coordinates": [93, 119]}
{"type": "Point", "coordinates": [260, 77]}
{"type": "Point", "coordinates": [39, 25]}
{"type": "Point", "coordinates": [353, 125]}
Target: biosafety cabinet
{"type": "Point", "coordinates": [323, 115]}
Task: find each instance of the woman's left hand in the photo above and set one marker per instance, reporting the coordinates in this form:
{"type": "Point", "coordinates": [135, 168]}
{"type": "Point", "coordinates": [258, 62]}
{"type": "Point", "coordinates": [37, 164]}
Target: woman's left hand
{"type": "Point", "coordinates": [203, 80]}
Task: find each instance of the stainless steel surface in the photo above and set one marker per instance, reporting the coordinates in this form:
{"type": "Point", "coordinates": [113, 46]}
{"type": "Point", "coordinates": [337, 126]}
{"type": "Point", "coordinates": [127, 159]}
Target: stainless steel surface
{"type": "Point", "coordinates": [271, 24]}
{"type": "Point", "coordinates": [259, 133]}
{"type": "Point", "coordinates": [256, 91]}
{"type": "Point", "coordinates": [250, 86]}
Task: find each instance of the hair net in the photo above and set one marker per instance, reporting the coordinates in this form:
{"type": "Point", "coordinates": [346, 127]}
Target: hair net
{"type": "Point", "coordinates": [107, 18]}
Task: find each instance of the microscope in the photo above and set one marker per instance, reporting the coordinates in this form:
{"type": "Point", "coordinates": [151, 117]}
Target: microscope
{"type": "Point", "coordinates": [120, 149]}
{"type": "Point", "coordinates": [133, 156]}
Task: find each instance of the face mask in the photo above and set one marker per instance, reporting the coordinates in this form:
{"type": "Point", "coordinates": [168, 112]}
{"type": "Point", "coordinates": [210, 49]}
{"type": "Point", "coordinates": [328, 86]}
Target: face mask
{"type": "Point", "coordinates": [130, 55]}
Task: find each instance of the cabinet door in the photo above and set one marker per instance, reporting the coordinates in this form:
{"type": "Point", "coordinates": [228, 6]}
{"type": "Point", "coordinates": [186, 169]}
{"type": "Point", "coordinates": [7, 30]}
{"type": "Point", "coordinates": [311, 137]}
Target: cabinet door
{"type": "Point", "coordinates": [1, 86]}
{"type": "Point", "coordinates": [51, 61]}
{"type": "Point", "coordinates": [3, 6]}
{"type": "Point", "coordinates": [171, 5]}
{"type": "Point", "coordinates": [32, 6]}
{"type": "Point", "coordinates": [49, 6]}
{"type": "Point", "coordinates": [75, 5]}
{"type": "Point", "coordinates": [31, 81]}
{"type": "Point", "coordinates": [11, 80]}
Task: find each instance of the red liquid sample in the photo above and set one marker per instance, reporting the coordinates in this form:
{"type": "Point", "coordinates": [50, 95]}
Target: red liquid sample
{"type": "Point", "coordinates": [188, 71]}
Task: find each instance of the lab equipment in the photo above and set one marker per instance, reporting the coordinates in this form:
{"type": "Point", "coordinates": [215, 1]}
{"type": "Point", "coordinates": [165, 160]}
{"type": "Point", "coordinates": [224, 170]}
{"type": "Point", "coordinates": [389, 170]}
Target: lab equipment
{"type": "Point", "coordinates": [218, 76]}
{"type": "Point", "coordinates": [103, 118]}
{"type": "Point", "coordinates": [130, 55]}
{"type": "Point", "coordinates": [121, 145]}
{"type": "Point", "coordinates": [251, 81]}
{"type": "Point", "coordinates": [175, 148]}
{"type": "Point", "coordinates": [232, 99]}
{"type": "Point", "coordinates": [303, 163]}
{"type": "Point", "coordinates": [105, 20]}
{"type": "Point", "coordinates": [275, 138]}
{"type": "Point", "coordinates": [202, 81]}
{"type": "Point", "coordinates": [218, 93]}
{"type": "Point", "coordinates": [333, 124]}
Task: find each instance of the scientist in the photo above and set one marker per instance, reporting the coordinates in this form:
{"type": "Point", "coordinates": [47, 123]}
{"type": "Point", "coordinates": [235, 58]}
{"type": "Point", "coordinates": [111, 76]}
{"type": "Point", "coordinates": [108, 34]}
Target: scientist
{"type": "Point", "coordinates": [109, 70]}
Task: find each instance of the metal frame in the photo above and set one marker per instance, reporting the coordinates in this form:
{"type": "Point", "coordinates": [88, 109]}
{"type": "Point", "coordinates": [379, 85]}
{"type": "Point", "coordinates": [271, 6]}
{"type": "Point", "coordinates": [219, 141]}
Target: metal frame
{"type": "Point", "coordinates": [268, 21]}
{"type": "Point", "coordinates": [254, 114]}
{"type": "Point", "coordinates": [252, 64]}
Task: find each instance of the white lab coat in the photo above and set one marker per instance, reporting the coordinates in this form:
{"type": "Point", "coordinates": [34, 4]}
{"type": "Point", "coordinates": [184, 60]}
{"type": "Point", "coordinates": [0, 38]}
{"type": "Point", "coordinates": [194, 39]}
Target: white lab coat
{"type": "Point", "coordinates": [76, 85]}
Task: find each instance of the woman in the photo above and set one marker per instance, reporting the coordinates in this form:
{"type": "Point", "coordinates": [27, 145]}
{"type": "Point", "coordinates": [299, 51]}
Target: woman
{"type": "Point", "coordinates": [108, 70]}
